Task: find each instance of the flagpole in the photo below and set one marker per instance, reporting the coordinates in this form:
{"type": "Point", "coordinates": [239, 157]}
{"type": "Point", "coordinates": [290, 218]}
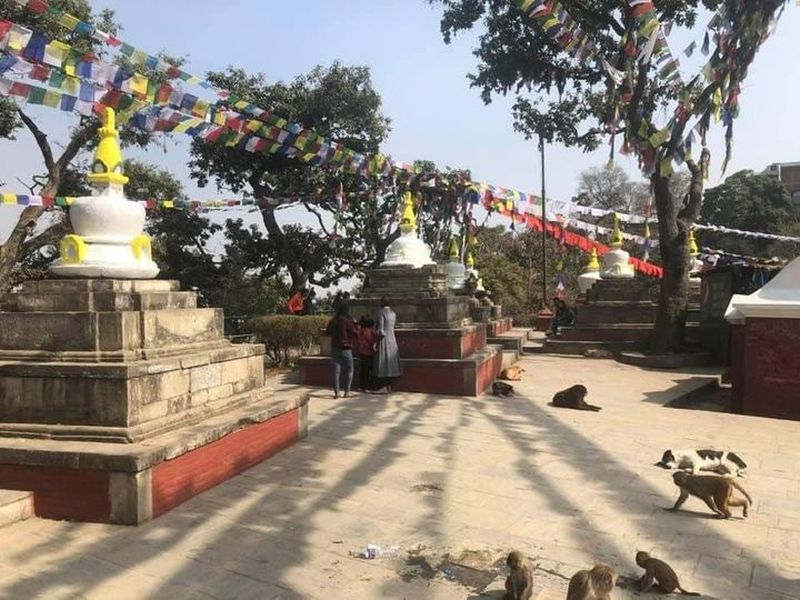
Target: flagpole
{"type": "Point", "coordinates": [544, 229]}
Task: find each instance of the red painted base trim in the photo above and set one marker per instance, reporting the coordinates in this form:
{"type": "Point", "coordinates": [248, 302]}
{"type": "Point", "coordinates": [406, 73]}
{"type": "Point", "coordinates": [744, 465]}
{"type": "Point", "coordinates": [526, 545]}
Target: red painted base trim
{"type": "Point", "coordinates": [175, 481]}
{"type": "Point", "coordinates": [61, 493]}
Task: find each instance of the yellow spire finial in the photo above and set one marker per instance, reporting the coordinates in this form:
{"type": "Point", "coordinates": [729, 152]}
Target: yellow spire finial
{"type": "Point", "coordinates": [647, 230]}
{"type": "Point", "coordinates": [408, 222]}
{"type": "Point", "coordinates": [453, 249]}
{"type": "Point", "coordinates": [470, 262]}
{"type": "Point", "coordinates": [594, 264]}
{"type": "Point", "coordinates": [107, 164]}
{"type": "Point", "coordinates": [616, 235]}
{"type": "Point", "coordinates": [693, 249]}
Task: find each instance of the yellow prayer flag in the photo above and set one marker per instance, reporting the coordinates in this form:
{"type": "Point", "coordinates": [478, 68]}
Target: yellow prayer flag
{"type": "Point", "coordinates": [68, 21]}
{"type": "Point", "coordinates": [69, 200]}
{"type": "Point", "coordinates": [526, 4]}
{"type": "Point", "coordinates": [138, 84]}
{"type": "Point", "coordinates": [51, 99]}
{"type": "Point", "coordinates": [666, 167]}
{"type": "Point", "coordinates": [643, 129]}
{"type": "Point", "coordinates": [649, 28]}
{"type": "Point", "coordinates": [309, 157]}
{"type": "Point", "coordinates": [54, 53]}
{"type": "Point", "coordinates": [182, 127]}
{"type": "Point", "coordinates": [550, 23]}
{"type": "Point", "coordinates": [168, 204]}
{"type": "Point", "coordinates": [659, 137]}
{"type": "Point", "coordinates": [9, 199]}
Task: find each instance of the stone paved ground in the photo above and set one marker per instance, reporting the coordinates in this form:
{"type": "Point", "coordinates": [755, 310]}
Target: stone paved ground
{"type": "Point", "coordinates": [458, 478]}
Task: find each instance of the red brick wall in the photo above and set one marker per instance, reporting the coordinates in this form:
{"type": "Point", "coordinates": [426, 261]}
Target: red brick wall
{"type": "Point", "coordinates": [768, 377]}
{"type": "Point", "coordinates": [80, 495]}
{"type": "Point", "coordinates": [177, 480]}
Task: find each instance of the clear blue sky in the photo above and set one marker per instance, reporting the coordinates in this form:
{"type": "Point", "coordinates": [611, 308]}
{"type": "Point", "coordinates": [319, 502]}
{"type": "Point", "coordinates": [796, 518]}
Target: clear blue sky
{"type": "Point", "coordinates": [435, 115]}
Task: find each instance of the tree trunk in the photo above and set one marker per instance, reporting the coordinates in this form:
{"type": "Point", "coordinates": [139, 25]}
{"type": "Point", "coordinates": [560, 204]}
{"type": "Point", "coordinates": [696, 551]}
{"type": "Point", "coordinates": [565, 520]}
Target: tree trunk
{"type": "Point", "coordinates": [296, 271]}
{"type": "Point", "coordinates": [673, 246]}
{"type": "Point", "coordinates": [11, 251]}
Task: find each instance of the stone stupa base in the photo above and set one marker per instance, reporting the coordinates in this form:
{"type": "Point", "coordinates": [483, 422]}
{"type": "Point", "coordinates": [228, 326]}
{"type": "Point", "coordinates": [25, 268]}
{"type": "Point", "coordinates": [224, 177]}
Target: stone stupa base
{"type": "Point", "coordinates": [442, 351]}
{"type": "Point", "coordinates": [121, 399]}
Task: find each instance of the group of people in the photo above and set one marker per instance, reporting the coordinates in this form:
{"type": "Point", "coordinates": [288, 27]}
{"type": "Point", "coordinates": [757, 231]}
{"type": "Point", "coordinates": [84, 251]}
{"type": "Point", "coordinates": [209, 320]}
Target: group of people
{"type": "Point", "coordinates": [302, 302]}
{"type": "Point", "coordinates": [374, 344]}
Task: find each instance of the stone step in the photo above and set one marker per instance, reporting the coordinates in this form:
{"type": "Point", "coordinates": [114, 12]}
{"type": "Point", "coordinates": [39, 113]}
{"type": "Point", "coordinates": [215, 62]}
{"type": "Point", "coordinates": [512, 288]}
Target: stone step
{"type": "Point", "coordinates": [15, 506]}
{"type": "Point", "coordinates": [555, 346]}
{"type": "Point", "coordinates": [511, 340]}
{"type": "Point", "coordinates": [616, 312]}
{"type": "Point", "coordinates": [510, 357]}
{"type": "Point", "coordinates": [533, 347]}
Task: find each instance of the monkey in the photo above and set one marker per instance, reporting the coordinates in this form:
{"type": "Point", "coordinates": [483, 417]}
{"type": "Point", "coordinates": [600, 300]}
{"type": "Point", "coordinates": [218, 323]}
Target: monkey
{"type": "Point", "coordinates": [574, 397]}
{"type": "Point", "coordinates": [512, 373]}
{"type": "Point", "coordinates": [500, 388]}
{"type": "Point", "coordinates": [716, 492]}
{"type": "Point", "coordinates": [519, 584]}
{"type": "Point", "coordinates": [592, 585]}
{"type": "Point", "coordinates": [660, 574]}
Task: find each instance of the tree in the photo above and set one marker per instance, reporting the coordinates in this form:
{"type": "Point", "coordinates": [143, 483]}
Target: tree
{"type": "Point", "coordinates": [610, 188]}
{"type": "Point", "coordinates": [613, 88]}
{"type": "Point", "coordinates": [511, 268]}
{"type": "Point", "coordinates": [752, 202]}
{"type": "Point", "coordinates": [228, 265]}
{"type": "Point", "coordinates": [353, 215]}
{"type": "Point", "coordinates": [60, 176]}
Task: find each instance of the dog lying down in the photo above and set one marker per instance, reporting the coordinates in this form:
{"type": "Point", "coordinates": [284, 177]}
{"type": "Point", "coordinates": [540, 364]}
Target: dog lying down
{"type": "Point", "coordinates": [719, 461]}
{"type": "Point", "coordinates": [500, 388]}
{"type": "Point", "coordinates": [574, 397]}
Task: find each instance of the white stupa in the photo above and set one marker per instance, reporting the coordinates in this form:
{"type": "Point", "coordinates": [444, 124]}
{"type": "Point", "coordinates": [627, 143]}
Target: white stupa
{"type": "Point", "coordinates": [408, 250]}
{"type": "Point", "coordinates": [456, 271]}
{"type": "Point", "coordinates": [108, 241]}
{"type": "Point", "coordinates": [616, 263]}
{"type": "Point", "coordinates": [695, 265]}
{"type": "Point", "coordinates": [592, 274]}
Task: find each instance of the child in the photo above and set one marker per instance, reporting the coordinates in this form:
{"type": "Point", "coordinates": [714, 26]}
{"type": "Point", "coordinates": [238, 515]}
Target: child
{"type": "Point", "coordinates": [366, 351]}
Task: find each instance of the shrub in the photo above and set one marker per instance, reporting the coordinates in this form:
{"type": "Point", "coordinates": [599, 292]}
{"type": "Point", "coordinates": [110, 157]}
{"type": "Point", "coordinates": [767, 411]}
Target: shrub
{"type": "Point", "coordinates": [284, 334]}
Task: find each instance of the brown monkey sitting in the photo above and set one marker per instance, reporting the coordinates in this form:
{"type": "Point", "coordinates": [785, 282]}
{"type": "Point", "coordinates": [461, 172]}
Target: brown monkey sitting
{"type": "Point", "coordinates": [574, 397]}
{"type": "Point", "coordinates": [519, 584]}
{"type": "Point", "coordinates": [717, 492]}
{"type": "Point", "coordinates": [660, 574]}
{"type": "Point", "coordinates": [592, 585]}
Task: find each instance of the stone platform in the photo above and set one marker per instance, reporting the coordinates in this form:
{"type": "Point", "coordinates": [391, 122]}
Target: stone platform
{"type": "Point", "coordinates": [442, 350]}
{"type": "Point", "coordinates": [618, 315]}
{"type": "Point", "coordinates": [96, 375]}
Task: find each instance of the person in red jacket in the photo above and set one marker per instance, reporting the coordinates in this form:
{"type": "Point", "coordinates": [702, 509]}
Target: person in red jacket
{"type": "Point", "coordinates": [295, 304]}
{"type": "Point", "coordinates": [344, 337]}
{"type": "Point", "coordinates": [366, 352]}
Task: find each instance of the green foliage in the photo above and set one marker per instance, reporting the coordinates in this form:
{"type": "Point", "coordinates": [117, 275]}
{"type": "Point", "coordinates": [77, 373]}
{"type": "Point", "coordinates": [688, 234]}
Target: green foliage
{"type": "Point", "coordinates": [752, 202]}
{"type": "Point", "coordinates": [340, 103]}
{"type": "Point", "coordinates": [511, 268]}
{"type": "Point", "coordinates": [288, 335]}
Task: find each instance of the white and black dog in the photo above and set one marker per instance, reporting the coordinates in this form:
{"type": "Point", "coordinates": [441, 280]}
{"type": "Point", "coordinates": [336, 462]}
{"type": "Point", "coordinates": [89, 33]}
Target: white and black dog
{"type": "Point", "coordinates": [722, 462]}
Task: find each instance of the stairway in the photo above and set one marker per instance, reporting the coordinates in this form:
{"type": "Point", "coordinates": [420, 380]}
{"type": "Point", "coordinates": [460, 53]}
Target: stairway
{"type": "Point", "coordinates": [618, 316]}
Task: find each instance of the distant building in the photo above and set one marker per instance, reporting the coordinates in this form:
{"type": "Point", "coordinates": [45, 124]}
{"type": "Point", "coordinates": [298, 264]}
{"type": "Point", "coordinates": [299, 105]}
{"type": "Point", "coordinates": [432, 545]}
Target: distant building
{"type": "Point", "coordinates": [789, 174]}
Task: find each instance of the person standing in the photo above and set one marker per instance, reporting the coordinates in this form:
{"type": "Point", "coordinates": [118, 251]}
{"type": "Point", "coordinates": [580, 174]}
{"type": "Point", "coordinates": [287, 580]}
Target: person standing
{"type": "Point", "coordinates": [344, 336]}
{"type": "Point", "coordinates": [295, 304]}
{"type": "Point", "coordinates": [366, 352]}
{"type": "Point", "coordinates": [308, 303]}
{"type": "Point", "coordinates": [387, 357]}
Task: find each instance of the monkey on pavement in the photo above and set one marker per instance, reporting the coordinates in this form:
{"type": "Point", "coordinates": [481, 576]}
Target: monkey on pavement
{"type": "Point", "coordinates": [519, 584]}
{"type": "Point", "coordinates": [717, 492]}
{"type": "Point", "coordinates": [592, 585]}
{"type": "Point", "coordinates": [660, 574]}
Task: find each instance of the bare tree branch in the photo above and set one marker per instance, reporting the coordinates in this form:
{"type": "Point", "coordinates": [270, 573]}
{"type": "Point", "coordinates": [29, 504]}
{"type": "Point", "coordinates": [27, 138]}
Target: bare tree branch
{"type": "Point", "coordinates": [41, 141]}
